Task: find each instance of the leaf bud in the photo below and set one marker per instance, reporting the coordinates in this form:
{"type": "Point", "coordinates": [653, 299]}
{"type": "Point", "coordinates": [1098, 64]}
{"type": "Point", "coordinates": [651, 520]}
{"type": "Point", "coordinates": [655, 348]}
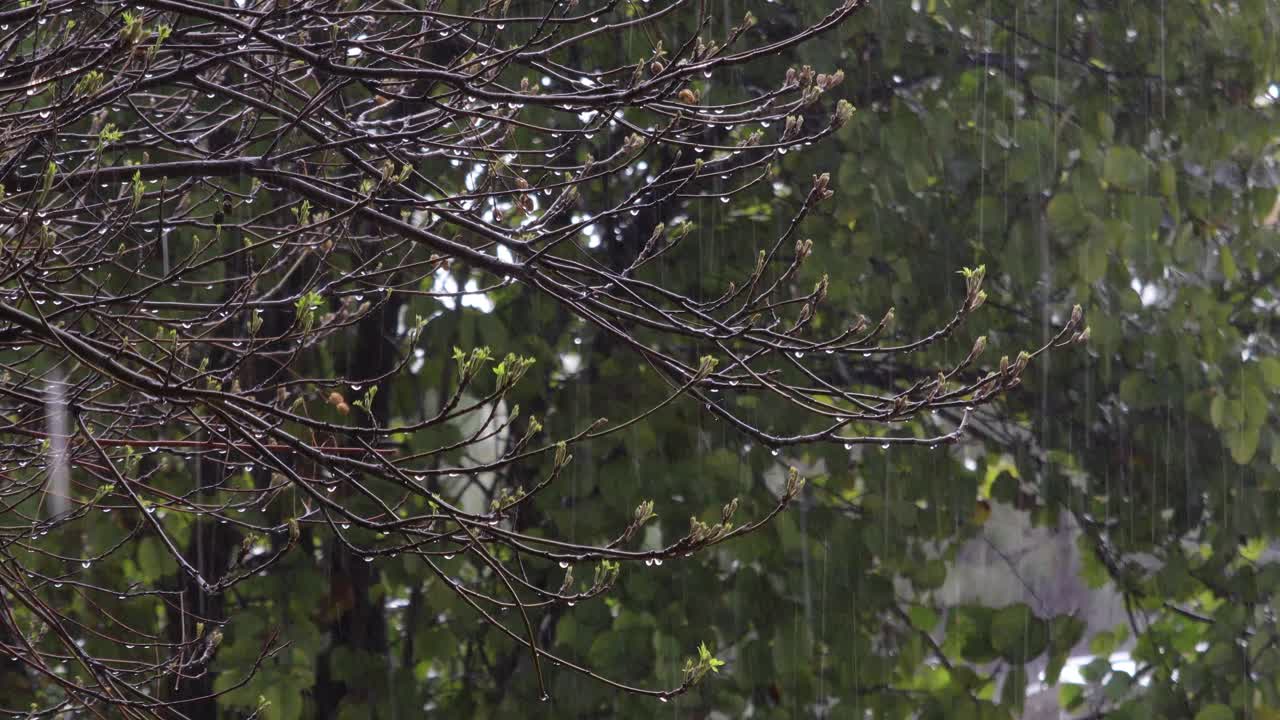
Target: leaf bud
{"type": "Point", "coordinates": [842, 115]}
{"type": "Point", "coordinates": [979, 345]}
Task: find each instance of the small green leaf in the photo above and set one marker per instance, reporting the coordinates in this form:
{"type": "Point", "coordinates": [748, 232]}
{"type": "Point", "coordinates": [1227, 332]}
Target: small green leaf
{"type": "Point", "coordinates": [1168, 180]}
{"type": "Point", "coordinates": [1270, 371]}
{"type": "Point", "coordinates": [1124, 168]}
{"type": "Point", "coordinates": [1230, 270]}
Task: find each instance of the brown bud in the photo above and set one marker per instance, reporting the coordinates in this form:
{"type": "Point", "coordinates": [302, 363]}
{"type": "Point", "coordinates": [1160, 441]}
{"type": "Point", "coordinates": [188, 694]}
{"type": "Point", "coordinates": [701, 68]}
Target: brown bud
{"type": "Point", "coordinates": [335, 398]}
{"type": "Point", "coordinates": [688, 97]}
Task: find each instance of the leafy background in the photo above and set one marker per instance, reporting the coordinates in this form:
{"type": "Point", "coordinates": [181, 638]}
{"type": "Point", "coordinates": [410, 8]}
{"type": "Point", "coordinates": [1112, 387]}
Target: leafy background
{"type": "Point", "coordinates": [1103, 542]}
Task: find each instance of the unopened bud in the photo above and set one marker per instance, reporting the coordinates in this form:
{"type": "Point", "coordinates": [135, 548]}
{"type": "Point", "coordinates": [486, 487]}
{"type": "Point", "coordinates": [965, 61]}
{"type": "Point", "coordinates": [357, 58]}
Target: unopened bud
{"type": "Point", "coordinates": [1021, 363]}
{"type": "Point", "coordinates": [842, 115]}
{"type": "Point", "coordinates": [938, 387]}
{"type": "Point", "coordinates": [706, 366]}
{"type": "Point", "coordinates": [978, 346]}
{"type": "Point", "coordinates": [726, 513]}
{"type": "Point", "coordinates": [792, 126]}
{"type": "Point", "coordinates": [795, 483]}
{"type": "Point", "coordinates": [820, 290]}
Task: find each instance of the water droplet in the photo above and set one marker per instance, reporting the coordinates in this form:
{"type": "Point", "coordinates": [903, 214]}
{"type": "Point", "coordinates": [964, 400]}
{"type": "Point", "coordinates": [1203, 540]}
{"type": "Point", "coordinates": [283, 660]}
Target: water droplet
{"type": "Point", "coordinates": [369, 559]}
{"type": "Point", "coordinates": [884, 446]}
{"type": "Point", "coordinates": [564, 563]}
{"type": "Point", "coordinates": [657, 561]}
{"type": "Point", "coordinates": [799, 354]}
{"type": "Point", "coordinates": [648, 562]}
{"type": "Point", "coordinates": [662, 698]}
{"type": "Point", "coordinates": [774, 452]}
{"type": "Point", "coordinates": [86, 564]}
{"type": "Point", "coordinates": [724, 199]}
{"type": "Point", "coordinates": [848, 446]}
{"type": "Point", "coordinates": [449, 556]}
{"type": "Point", "coordinates": [595, 19]}
{"type": "Point", "coordinates": [346, 526]}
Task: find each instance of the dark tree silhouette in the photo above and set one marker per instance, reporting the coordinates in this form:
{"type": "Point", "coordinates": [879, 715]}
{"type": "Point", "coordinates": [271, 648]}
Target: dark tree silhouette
{"type": "Point", "coordinates": [216, 219]}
